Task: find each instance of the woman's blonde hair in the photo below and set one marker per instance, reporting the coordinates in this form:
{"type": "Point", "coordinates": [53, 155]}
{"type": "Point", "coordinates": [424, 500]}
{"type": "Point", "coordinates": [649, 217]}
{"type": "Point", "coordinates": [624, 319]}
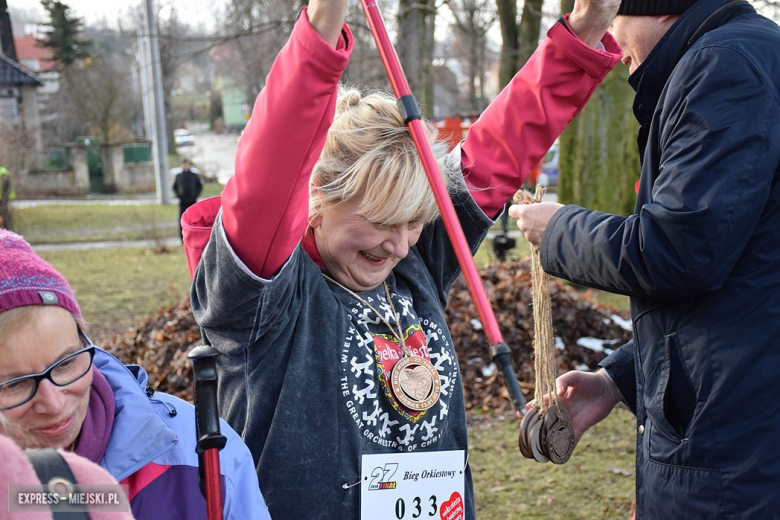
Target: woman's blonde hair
{"type": "Point", "coordinates": [369, 153]}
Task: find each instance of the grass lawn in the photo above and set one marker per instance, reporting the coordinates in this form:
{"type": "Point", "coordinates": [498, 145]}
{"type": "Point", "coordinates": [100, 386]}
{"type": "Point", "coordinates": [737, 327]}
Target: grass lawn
{"type": "Point", "coordinates": [67, 223]}
{"type": "Point", "coordinates": [211, 189]}
{"type": "Point", "coordinates": [596, 482]}
{"type": "Point", "coordinates": [116, 286]}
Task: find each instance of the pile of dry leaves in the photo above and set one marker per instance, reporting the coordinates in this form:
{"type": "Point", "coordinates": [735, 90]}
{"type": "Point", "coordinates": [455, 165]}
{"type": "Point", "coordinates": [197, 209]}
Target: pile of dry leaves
{"type": "Point", "coordinates": [161, 341]}
{"type": "Point", "coordinates": [585, 331]}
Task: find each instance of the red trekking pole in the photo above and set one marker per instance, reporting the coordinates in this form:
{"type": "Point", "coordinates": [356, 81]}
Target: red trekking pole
{"type": "Point", "coordinates": [499, 351]}
{"type": "Point", "coordinates": [210, 439]}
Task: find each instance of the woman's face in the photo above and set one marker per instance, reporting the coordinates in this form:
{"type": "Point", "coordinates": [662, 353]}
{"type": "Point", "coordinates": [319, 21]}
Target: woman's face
{"type": "Point", "coordinates": [358, 253]}
{"type": "Point", "coordinates": [53, 417]}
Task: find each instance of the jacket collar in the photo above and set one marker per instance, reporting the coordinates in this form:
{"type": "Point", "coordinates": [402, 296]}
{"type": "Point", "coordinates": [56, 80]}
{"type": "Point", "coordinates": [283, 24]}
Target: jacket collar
{"type": "Point", "coordinates": [649, 79]}
{"type": "Point", "coordinates": [139, 435]}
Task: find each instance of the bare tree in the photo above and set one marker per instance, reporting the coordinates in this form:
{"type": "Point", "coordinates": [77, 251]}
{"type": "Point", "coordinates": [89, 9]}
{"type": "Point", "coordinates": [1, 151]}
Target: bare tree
{"type": "Point", "coordinates": [179, 43]}
{"type": "Point", "coordinates": [101, 95]}
{"type": "Point", "coordinates": [365, 66]}
{"type": "Point", "coordinates": [530, 26]}
{"type": "Point", "coordinates": [255, 30]}
{"type": "Point", "coordinates": [415, 46]}
{"type": "Point", "coordinates": [769, 8]}
{"type": "Point", "coordinates": [15, 140]}
{"type": "Point", "coordinates": [94, 96]}
{"type": "Point", "coordinates": [518, 41]}
{"type": "Point", "coordinates": [259, 29]}
{"type": "Point", "coordinates": [472, 21]}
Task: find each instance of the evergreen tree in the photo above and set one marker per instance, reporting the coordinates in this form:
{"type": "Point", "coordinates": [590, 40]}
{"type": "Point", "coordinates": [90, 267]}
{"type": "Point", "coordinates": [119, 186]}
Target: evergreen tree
{"type": "Point", "coordinates": [63, 35]}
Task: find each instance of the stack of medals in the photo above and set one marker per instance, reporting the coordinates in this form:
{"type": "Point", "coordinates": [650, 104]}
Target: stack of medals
{"type": "Point", "coordinates": [546, 433]}
{"type": "Point", "coordinates": [547, 436]}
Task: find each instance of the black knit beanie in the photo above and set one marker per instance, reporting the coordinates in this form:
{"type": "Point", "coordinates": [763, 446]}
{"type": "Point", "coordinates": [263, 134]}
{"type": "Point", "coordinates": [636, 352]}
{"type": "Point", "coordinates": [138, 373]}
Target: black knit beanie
{"type": "Point", "coordinates": [654, 7]}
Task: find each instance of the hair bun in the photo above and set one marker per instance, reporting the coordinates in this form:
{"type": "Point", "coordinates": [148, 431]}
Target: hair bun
{"type": "Point", "coordinates": [348, 99]}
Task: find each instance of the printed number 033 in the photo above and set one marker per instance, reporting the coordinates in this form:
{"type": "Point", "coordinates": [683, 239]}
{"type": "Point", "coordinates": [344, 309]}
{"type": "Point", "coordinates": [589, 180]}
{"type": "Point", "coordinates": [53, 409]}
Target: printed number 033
{"type": "Point", "coordinates": [400, 507]}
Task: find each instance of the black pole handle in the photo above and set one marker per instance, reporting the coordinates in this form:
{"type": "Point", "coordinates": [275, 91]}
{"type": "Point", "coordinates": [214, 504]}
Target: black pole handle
{"type": "Point", "coordinates": [204, 376]}
{"type": "Point", "coordinates": [500, 354]}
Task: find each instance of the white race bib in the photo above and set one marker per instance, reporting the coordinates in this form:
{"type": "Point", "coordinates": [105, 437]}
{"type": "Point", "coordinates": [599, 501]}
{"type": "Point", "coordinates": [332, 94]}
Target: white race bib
{"type": "Point", "coordinates": [425, 485]}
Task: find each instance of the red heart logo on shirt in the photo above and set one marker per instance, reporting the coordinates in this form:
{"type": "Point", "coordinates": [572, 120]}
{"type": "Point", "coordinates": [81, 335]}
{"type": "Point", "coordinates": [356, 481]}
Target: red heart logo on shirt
{"type": "Point", "coordinates": [452, 509]}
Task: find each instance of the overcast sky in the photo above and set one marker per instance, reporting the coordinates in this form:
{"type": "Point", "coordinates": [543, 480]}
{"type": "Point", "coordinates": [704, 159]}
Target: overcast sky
{"type": "Point", "coordinates": [194, 12]}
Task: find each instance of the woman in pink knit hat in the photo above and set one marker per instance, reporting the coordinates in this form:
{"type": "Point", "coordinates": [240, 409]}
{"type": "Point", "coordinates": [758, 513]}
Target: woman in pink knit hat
{"type": "Point", "coordinates": [58, 390]}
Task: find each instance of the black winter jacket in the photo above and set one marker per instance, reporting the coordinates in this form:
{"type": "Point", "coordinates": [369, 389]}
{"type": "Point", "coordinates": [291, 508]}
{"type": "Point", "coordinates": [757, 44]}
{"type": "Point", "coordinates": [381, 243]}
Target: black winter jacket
{"type": "Point", "coordinates": [187, 187]}
{"type": "Point", "coordinates": [700, 259]}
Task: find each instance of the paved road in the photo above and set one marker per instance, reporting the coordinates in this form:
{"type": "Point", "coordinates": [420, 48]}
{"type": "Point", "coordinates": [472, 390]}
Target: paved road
{"type": "Point", "coordinates": [214, 154]}
{"type": "Point", "coordinates": [83, 246]}
{"type": "Point", "coordinates": [113, 200]}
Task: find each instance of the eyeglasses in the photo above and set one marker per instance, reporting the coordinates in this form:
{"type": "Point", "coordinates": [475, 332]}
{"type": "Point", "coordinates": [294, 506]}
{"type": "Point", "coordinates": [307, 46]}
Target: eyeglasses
{"type": "Point", "coordinates": [15, 392]}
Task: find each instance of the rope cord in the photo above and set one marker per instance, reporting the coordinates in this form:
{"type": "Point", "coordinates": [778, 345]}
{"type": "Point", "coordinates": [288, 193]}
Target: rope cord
{"type": "Point", "coordinates": [544, 342]}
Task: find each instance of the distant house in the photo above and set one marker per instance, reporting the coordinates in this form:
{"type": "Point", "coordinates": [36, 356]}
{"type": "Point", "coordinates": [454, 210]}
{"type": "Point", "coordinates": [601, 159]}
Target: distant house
{"type": "Point", "coordinates": [18, 85]}
{"type": "Point", "coordinates": [236, 108]}
{"type": "Point", "coordinates": [19, 98]}
{"type": "Point", "coordinates": [33, 56]}
{"type": "Point", "coordinates": [38, 59]}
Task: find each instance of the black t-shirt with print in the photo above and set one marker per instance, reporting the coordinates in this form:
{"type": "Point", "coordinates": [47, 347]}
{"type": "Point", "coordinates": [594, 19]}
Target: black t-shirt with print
{"type": "Point", "coordinates": [300, 376]}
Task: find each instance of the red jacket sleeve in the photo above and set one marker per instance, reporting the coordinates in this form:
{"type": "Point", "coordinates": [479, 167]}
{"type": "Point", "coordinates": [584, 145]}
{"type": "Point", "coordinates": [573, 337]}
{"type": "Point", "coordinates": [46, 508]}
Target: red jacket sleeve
{"type": "Point", "coordinates": [516, 130]}
{"type": "Point", "coordinates": [265, 203]}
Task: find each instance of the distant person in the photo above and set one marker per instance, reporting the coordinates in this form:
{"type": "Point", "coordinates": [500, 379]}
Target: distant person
{"type": "Point", "coordinates": [187, 187]}
{"type": "Point", "coordinates": [58, 390]}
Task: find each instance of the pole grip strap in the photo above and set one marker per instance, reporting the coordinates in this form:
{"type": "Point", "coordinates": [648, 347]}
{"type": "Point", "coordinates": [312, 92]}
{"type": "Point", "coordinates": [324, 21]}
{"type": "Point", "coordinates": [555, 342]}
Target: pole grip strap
{"type": "Point", "coordinates": [407, 105]}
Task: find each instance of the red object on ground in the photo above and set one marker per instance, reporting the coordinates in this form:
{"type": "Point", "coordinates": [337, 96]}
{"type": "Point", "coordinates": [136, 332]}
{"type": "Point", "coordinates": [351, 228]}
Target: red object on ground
{"type": "Point", "coordinates": [452, 131]}
{"type": "Point", "coordinates": [534, 174]}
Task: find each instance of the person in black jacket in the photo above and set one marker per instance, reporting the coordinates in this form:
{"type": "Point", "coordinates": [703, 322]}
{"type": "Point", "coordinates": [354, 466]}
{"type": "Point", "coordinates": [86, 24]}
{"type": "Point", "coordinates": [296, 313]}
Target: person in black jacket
{"type": "Point", "coordinates": [187, 187]}
{"type": "Point", "coordinates": [700, 259]}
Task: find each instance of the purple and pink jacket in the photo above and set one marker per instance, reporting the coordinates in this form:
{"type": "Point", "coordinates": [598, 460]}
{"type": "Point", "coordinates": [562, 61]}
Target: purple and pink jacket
{"type": "Point", "coordinates": [152, 449]}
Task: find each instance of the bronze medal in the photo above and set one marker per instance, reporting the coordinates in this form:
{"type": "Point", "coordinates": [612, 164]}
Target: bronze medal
{"type": "Point", "coordinates": [414, 380]}
{"type": "Point", "coordinates": [537, 444]}
{"type": "Point", "coordinates": [525, 449]}
{"type": "Point", "coordinates": [547, 438]}
{"type": "Point", "coordinates": [415, 383]}
{"type": "Point", "coordinates": [559, 435]}
{"type": "Point", "coordinates": [525, 429]}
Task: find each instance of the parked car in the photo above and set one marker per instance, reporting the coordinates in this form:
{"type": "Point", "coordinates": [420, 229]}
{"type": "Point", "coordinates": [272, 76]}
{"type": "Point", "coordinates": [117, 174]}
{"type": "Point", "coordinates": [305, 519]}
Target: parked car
{"type": "Point", "coordinates": [549, 175]}
{"type": "Point", "coordinates": [183, 137]}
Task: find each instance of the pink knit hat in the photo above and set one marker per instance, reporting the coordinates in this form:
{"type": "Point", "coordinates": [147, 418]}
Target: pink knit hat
{"type": "Point", "coordinates": [27, 279]}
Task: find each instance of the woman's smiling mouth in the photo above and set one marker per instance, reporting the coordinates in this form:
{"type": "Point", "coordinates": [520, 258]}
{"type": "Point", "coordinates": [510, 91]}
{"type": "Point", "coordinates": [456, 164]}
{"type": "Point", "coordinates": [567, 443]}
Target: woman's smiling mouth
{"type": "Point", "coordinates": [372, 258]}
{"type": "Point", "coordinates": [56, 429]}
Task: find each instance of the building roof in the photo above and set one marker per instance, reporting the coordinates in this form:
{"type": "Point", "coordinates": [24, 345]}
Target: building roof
{"type": "Point", "coordinates": [27, 48]}
{"type": "Point", "coordinates": [11, 73]}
